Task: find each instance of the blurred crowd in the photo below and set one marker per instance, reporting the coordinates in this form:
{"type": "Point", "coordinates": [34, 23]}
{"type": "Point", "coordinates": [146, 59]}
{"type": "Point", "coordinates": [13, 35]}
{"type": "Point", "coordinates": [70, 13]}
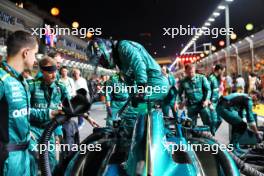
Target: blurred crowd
{"type": "Point", "coordinates": [236, 83]}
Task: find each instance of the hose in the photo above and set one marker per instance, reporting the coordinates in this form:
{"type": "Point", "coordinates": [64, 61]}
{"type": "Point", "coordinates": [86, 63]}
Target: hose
{"type": "Point", "coordinates": [44, 140]}
{"type": "Point", "coordinates": [79, 159]}
{"type": "Point", "coordinates": [44, 156]}
{"type": "Point", "coordinates": [78, 105]}
{"type": "Point", "coordinates": [255, 157]}
{"type": "Point", "coordinates": [244, 167]}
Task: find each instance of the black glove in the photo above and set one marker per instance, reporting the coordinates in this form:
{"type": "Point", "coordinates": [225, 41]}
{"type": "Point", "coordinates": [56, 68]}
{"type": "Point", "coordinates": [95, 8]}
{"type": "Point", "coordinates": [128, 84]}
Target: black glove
{"type": "Point", "coordinates": [139, 97]}
{"type": "Point", "coordinates": [259, 137]}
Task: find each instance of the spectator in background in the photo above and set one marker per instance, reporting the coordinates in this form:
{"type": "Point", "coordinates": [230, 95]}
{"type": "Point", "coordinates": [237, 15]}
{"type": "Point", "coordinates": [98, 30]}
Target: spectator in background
{"type": "Point", "coordinates": [252, 81]}
{"type": "Point", "coordinates": [222, 88]}
{"type": "Point", "coordinates": [240, 84]}
{"type": "Point", "coordinates": [67, 81]}
{"type": "Point", "coordinates": [79, 83]}
{"type": "Point", "coordinates": [234, 78]}
{"type": "Point", "coordinates": [258, 83]}
{"type": "Point", "coordinates": [261, 81]}
{"type": "Point", "coordinates": [229, 84]}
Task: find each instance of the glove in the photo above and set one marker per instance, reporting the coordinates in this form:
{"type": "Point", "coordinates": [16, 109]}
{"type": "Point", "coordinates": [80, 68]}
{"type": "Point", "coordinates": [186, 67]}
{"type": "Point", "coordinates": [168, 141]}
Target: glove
{"type": "Point", "coordinates": [109, 111]}
{"type": "Point", "coordinates": [212, 129]}
{"type": "Point", "coordinates": [259, 137]}
{"type": "Point", "coordinates": [139, 97]}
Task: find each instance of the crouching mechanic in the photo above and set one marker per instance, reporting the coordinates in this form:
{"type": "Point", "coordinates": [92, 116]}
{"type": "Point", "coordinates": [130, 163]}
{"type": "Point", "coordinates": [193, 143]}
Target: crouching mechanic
{"type": "Point", "coordinates": [214, 81]}
{"type": "Point", "coordinates": [47, 94]}
{"type": "Point", "coordinates": [15, 104]}
{"type": "Point", "coordinates": [197, 93]}
{"type": "Point", "coordinates": [139, 69]}
{"type": "Point", "coordinates": [116, 96]}
{"type": "Point", "coordinates": [236, 109]}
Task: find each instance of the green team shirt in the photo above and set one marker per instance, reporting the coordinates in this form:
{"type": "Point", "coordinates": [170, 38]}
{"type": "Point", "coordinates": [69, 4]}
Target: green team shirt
{"type": "Point", "coordinates": [196, 89]}
{"type": "Point", "coordinates": [214, 85]}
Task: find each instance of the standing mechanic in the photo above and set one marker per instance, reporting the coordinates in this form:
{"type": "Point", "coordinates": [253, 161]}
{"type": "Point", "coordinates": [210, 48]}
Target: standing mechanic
{"type": "Point", "coordinates": [214, 81]}
{"type": "Point", "coordinates": [236, 109]}
{"type": "Point", "coordinates": [47, 94]}
{"type": "Point", "coordinates": [170, 100]}
{"type": "Point", "coordinates": [116, 96]}
{"type": "Point", "coordinates": [197, 93]}
{"type": "Point", "coordinates": [138, 67]}
{"type": "Point", "coordinates": [15, 104]}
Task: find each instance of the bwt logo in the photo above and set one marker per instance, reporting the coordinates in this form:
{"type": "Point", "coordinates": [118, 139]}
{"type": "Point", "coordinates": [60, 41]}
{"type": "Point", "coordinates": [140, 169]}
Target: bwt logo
{"type": "Point", "coordinates": [20, 112]}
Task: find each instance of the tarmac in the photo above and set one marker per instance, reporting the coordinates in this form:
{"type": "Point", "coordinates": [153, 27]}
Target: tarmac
{"type": "Point", "coordinates": [98, 113]}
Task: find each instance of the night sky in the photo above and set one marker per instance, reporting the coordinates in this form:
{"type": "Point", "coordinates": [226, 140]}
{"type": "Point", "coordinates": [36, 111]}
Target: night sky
{"type": "Point", "coordinates": [133, 19]}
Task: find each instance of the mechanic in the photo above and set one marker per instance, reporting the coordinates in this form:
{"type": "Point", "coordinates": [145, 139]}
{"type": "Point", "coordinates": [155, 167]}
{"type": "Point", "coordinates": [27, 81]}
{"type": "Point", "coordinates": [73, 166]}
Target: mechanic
{"type": "Point", "coordinates": [116, 96]}
{"type": "Point", "coordinates": [139, 69]}
{"type": "Point", "coordinates": [47, 94]}
{"type": "Point", "coordinates": [58, 59]}
{"type": "Point", "coordinates": [197, 94]}
{"type": "Point", "coordinates": [236, 109]}
{"type": "Point", "coordinates": [15, 104]}
{"type": "Point", "coordinates": [170, 101]}
{"type": "Point", "coordinates": [214, 81]}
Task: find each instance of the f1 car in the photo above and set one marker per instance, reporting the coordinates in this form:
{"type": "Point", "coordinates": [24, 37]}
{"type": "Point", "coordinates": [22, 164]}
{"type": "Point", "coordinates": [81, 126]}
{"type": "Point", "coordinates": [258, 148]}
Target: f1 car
{"type": "Point", "coordinates": [150, 150]}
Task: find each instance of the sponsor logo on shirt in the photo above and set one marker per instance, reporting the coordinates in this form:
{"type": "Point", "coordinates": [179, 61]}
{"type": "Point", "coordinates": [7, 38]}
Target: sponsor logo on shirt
{"type": "Point", "coordinates": [40, 105]}
{"type": "Point", "coordinates": [20, 113]}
